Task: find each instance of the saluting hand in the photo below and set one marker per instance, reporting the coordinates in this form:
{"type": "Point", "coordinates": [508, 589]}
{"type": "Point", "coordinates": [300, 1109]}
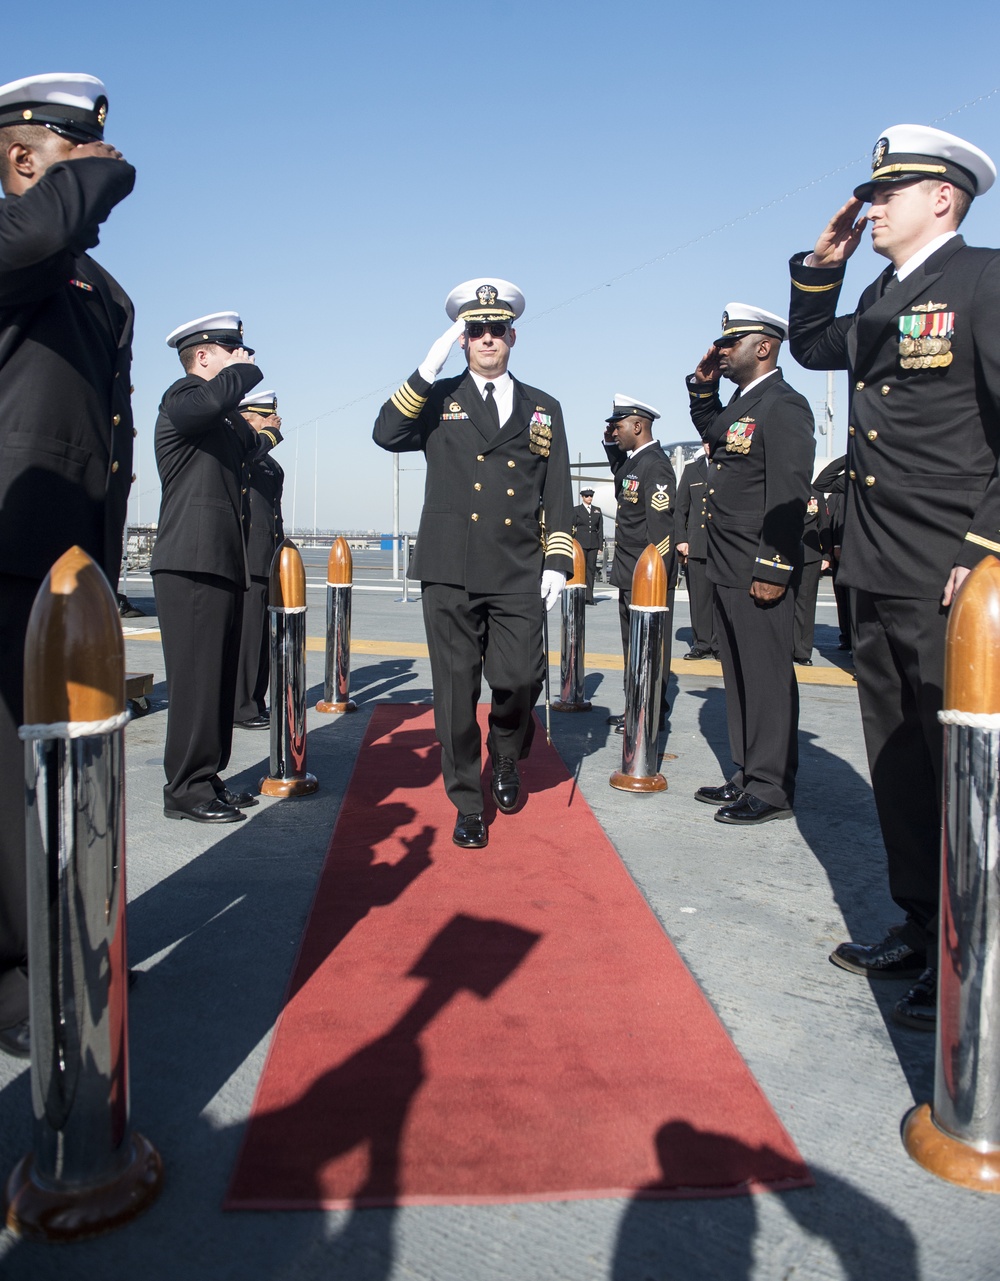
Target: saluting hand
{"type": "Point", "coordinates": [434, 361]}
{"type": "Point", "coordinates": [239, 357]}
{"type": "Point", "coordinates": [708, 367]}
{"type": "Point", "coordinates": [840, 237]}
{"type": "Point", "coordinates": [102, 150]}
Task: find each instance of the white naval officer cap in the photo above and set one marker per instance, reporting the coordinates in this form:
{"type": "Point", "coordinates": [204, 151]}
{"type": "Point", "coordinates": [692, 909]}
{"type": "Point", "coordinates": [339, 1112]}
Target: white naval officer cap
{"type": "Point", "coordinates": [907, 152]}
{"type": "Point", "coordinates": [66, 102]}
{"type": "Point", "coordinates": [260, 402]}
{"type": "Point", "coordinates": [485, 298]}
{"type": "Point", "coordinates": [222, 327]}
{"type": "Point", "coordinates": [628, 407]}
{"type": "Point", "coordinates": [740, 318]}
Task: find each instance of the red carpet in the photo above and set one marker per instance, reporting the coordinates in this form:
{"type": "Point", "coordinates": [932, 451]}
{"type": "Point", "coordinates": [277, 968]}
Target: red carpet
{"type": "Point", "coordinates": [495, 1025]}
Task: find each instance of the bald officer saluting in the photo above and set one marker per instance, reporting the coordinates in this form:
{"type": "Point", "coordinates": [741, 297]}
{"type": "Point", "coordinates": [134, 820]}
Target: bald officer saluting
{"type": "Point", "coordinates": [497, 461]}
{"type": "Point", "coordinates": [923, 496]}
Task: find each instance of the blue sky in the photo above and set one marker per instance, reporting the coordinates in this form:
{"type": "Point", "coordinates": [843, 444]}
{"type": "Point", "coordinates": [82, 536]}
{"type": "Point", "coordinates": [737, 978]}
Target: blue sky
{"type": "Point", "coordinates": [331, 171]}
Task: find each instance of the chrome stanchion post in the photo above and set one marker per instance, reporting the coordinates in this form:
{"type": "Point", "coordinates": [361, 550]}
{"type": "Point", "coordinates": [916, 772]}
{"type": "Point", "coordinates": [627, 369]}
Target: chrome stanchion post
{"type": "Point", "coordinates": [644, 677]}
{"type": "Point", "coordinates": [287, 611]}
{"type": "Point", "coordinates": [88, 1171]}
{"type": "Point", "coordinates": [959, 1138]}
{"type": "Point", "coordinates": [571, 669]}
{"type": "Point", "coordinates": [339, 589]}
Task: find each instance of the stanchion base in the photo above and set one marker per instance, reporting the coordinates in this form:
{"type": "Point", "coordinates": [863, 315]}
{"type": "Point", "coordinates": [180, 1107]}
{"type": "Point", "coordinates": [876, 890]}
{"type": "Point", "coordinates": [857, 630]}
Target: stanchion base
{"type": "Point", "coordinates": [948, 1157]}
{"type": "Point", "coordinates": [570, 707]}
{"type": "Point", "coordinates": [289, 787]}
{"type": "Point", "coordinates": [336, 709]}
{"type": "Point", "coordinates": [45, 1214]}
{"type": "Point", "coordinates": [626, 783]}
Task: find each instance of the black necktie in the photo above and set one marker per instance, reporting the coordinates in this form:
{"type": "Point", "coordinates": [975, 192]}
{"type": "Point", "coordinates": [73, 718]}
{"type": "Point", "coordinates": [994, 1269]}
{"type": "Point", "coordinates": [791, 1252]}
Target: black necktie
{"type": "Point", "coordinates": [891, 283]}
{"type": "Point", "coordinates": [491, 407]}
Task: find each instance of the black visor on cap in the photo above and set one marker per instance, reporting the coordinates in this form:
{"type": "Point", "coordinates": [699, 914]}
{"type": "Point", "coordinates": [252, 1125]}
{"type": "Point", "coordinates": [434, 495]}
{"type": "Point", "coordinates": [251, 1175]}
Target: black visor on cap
{"type": "Point", "coordinates": [220, 337]}
{"type": "Point", "coordinates": [82, 124]}
{"type": "Point", "coordinates": [909, 167]}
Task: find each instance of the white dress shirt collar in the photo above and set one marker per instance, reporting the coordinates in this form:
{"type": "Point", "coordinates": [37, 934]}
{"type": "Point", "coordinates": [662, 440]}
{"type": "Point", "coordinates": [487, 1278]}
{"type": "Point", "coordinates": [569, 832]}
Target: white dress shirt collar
{"type": "Point", "coordinates": [503, 392]}
{"type": "Point", "coordinates": [921, 256]}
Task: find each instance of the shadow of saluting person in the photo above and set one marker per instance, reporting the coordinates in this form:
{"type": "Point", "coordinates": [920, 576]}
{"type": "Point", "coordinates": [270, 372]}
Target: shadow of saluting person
{"type": "Point", "coordinates": [360, 1106]}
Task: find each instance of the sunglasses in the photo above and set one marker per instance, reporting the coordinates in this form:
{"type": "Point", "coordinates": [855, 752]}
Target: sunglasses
{"type": "Point", "coordinates": [476, 329]}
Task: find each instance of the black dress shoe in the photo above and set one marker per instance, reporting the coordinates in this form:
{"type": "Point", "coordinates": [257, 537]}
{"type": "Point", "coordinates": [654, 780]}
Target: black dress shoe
{"type": "Point", "coordinates": [802, 662]}
{"type": "Point", "coordinates": [749, 810]}
{"type": "Point", "coordinates": [254, 722]}
{"type": "Point", "coordinates": [470, 832]}
{"type": "Point", "coordinates": [724, 795]}
{"type": "Point", "coordinates": [616, 720]}
{"type": "Point", "coordinates": [239, 800]}
{"type": "Point", "coordinates": [918, 1008]}
{"type": "Point", "coordinates": [697, 652]}
{"type": "Point", "coordinates": [890, 959]}
{"type": "Point", "coordinates": [506, 786]}
{"type": "Point", "coordinates": [214, 811]}
{"type": "Point", "coordinates": [16, 1040]}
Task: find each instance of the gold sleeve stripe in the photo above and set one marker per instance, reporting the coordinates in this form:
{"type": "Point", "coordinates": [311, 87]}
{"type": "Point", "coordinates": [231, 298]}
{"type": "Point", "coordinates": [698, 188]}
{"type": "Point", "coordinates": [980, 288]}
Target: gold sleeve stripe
{"type": "Point", "coordinates": [774, 564]}
{"type": "Point", "coordinates": [270, 435]}
{"type": "Point", "coordinates": [663, 547]}
{"type": "Point", "coordinates": [559, 545]}
{"type": "Point", "coordinates": [817, 289]}
{"type": "Point", "coordinates": [408, 402]}
{"type": "Point", "coordinates": [982, 542]}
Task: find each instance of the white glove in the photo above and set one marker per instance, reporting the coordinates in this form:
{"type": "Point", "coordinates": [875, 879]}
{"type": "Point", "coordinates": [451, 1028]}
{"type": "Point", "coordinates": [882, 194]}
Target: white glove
{"type": "Point", "coordinates": [434, 361]}
{"type": "Point", "coordinates": [552, 584]}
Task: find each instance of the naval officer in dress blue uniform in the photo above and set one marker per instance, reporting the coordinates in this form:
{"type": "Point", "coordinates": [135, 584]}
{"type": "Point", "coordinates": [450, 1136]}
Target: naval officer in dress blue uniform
{"type": "Point", "coordinates": [761, 448]}
{"type": "Point", "coordinates": [922, 350]}
{"type": "Point", "coordinates": [588, 530]}
{"type": "Point", "coordinates": [267, 479]}
{"type": "Point", "coordinates": [645, 489]}
{"type": "Point", "coordinates": [65, 414]}
{"type": "Point", "coordinates": [200, 570]}
{"type": "Point", "coordinates": [497, 465]}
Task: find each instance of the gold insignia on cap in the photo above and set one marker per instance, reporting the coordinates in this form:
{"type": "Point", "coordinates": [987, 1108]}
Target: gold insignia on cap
{"type": "Point", "coordinates": [241, 328]}
{"type": "Point", "coordinates": [725, 321]}
{"type": "Point", "coordinates": [26, 115]}
{"type": "Point", "coordinates": [878, 154]}
{"type": "Point", "coordinates": [102, 113]}
{"type": "Point", "coordinates": [487, 295]}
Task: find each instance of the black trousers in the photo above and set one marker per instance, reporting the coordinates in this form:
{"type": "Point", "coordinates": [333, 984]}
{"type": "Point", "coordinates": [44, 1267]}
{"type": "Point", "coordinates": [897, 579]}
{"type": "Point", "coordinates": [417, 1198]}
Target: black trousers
{"type": "Point", "coordinates": [701, 602]}
{"type": "Point", "coordinates": [805, 587]}
{"type": "Point", "coordinates": [200, 617]}
{"type": "Point", "coordinates": [899, 657]}
{"type": "Point", "coordinates": [17, 595]}
{"type": "Point", "coordinates": [254, 668]}
{"type": "Point", "coordinates": [469, 636]}
{"type": "Point", "coordinates": [590, 553]}
{"type": "Point", "coordinates": [762, 696]}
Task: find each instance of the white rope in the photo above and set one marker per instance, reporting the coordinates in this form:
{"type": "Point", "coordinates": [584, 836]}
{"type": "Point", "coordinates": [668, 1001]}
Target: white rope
{"type": "Point", "coordinates": [970, 720]}
{"type": "Point", "coordinates": [75, 729]}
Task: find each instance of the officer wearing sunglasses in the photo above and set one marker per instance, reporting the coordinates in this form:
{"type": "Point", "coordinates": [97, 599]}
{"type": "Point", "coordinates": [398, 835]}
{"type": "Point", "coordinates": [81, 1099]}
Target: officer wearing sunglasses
{"type": "Point", "coordinates": [496, 460]}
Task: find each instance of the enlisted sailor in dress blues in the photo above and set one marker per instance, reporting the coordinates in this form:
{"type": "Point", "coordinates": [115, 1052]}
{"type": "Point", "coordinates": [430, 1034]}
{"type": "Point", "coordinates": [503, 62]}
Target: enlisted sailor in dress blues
{"type": "Point", "coordinates": [922, 349]}
{"type": "Point", "coordinates": [588, 530]}
{"type": "Point", "coordinates": [65, 413]}
{"type": "Point", "coordinates": [497, 465]}
{"type": "Point", "coordinates": [759, 470]}
{"type": "Point", "coordinates": [266, 481]}
{"type": "Point", "coordinates": [200, 569]}
{"type": "Point", "coordinates": [646, 489]}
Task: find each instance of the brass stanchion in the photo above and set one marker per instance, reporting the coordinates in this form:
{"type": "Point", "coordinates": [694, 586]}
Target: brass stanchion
{"type": "Point", "coordinates": [644, 677]}
{"type": "Point", "coordinates": [571, 670]}
{"type": "Point", "coordinates": [287, 612]}
{"type": "Point", "coordinates": [339, 589]}
{"type": "Point", "coordinates": [959, 1139]}
{"type": "Point", "coordinates": [88, 1171]}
